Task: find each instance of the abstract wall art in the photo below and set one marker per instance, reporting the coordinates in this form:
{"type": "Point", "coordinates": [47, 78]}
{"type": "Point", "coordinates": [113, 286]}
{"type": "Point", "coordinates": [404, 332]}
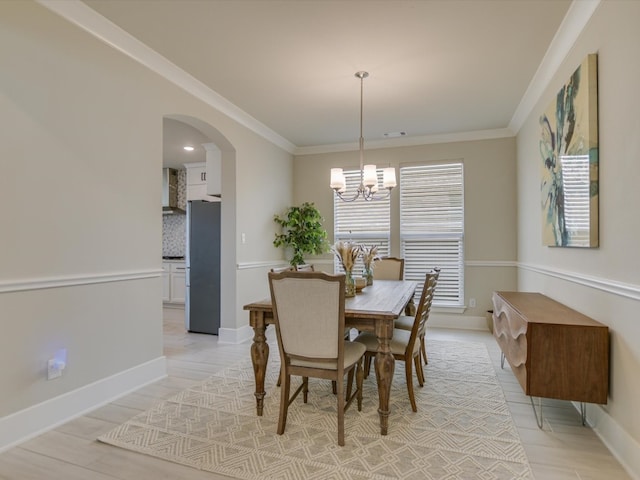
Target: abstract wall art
{"type": "Point", "coordinates": [569, 154]}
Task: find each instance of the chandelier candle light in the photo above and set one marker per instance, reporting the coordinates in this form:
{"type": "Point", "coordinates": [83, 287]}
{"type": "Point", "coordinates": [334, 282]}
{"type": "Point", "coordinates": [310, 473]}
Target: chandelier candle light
{"type": "Point", "coordinates": [368, 173]}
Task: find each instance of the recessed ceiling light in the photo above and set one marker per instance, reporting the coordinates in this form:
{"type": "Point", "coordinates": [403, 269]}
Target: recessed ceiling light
{"type": "Point", "coordinates": [394, 134]}
{"type": "Point", "coordinates": [188, 148]}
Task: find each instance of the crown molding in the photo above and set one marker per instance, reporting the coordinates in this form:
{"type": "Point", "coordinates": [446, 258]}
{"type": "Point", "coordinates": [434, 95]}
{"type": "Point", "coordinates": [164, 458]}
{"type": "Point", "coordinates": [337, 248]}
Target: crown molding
{"type": "Point", "coordinates": [408, 141]}
{"type": "Point", "coordinates": [92, 22]}
{"type": "Point", "coordinates": [570, 29]}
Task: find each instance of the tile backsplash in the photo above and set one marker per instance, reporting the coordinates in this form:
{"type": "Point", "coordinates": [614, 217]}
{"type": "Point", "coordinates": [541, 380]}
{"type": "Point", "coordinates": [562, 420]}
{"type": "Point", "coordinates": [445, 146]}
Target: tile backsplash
{"type": "Point", "coordinates": [174, 226]}
{"type": "Point", "coordinates": [174, 235]}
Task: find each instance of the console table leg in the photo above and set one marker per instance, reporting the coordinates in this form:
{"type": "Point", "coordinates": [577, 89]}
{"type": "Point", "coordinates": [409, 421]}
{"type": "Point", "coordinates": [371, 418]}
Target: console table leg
{"type": "Point", "coordinates": [538, 420]}
{"type": "Point", "coordinates": [583, 413]}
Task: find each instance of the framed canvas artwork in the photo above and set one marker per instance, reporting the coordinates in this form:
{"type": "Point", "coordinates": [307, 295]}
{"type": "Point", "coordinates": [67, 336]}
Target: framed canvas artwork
{"type": "Point", "coordinates": [569, 157]}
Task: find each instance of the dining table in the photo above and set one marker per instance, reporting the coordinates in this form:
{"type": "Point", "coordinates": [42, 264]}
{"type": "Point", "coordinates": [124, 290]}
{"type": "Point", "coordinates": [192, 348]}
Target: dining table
{"type": "Point", "coordinates": [373, 309]}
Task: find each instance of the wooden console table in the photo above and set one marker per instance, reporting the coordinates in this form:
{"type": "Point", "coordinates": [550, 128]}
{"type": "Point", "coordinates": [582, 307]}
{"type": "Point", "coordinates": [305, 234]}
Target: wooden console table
{"type": "Point", "coordinates": [554, 351]}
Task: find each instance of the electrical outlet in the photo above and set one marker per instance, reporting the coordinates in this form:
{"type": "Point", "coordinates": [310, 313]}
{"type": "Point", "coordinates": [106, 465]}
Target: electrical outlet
{"type": "Point", "coordinates": [57, 364]}
{"type": "Point", "coordinates": [472, 302]}
{"type": "Point", "coordinates": [53, 369]}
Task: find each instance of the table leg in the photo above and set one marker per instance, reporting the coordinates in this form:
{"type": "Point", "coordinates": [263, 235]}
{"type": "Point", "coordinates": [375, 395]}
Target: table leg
{"type": "Point", "coordinates": [385, 366]}
{"type": "Point", "coordinates": [259, 356]}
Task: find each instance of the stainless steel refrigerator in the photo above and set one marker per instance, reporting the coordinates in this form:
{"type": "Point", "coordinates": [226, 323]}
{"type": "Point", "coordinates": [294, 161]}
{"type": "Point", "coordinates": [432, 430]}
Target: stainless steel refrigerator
{"type": "Point", "coordinates": [202, 303]}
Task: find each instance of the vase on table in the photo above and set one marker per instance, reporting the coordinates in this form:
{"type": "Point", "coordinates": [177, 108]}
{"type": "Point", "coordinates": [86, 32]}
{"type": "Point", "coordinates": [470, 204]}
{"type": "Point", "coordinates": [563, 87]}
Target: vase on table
{"type": "Point", "coordinates": [347, 253]}
{"type": "Point", "coordinates": [349, 285]}
{"type": "Point", "coordinates": [368, 274]}
{"type": "Point", "coordinates": [369, 254]}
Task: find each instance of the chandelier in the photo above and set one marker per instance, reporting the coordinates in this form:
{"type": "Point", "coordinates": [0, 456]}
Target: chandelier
{"type": "Point", "coordinates": [368, 173]}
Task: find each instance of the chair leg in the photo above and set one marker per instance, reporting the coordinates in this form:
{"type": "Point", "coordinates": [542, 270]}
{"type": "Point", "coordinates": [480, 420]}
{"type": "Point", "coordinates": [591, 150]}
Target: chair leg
{"type": "Point", "coordinates": [279, 377]}
{"type": "Point", "coordinates": [284, 404]}
{"type": "Point", "coordinates": [367, 365]}
{"type": "Point", "coordinates": [422, 373]}
{"type": "Point", "coordinates": [350, 383]}
{"type": "Point", "coordinates": [408, 372]}
{"type": "Point", "coordinates": [334, 387]}
{"type": "Point", "coordinates": [418, 364]}
{"type": "Point", "coordinates": [341, 403]}
{"type": "Point", "coordinates": [359, 381]}
{"type": "Point", "coordinates": [305, 388]}
{"type": "Point", "coordinates": [423, 351]}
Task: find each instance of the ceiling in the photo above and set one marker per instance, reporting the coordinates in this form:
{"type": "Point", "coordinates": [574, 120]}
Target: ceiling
{"type": "Point", "coordinates": [437, 67]}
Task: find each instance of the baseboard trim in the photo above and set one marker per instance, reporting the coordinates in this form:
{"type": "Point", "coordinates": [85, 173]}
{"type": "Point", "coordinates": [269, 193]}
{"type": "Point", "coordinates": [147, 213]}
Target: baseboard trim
{"type": "Point", "coordinates": [38, 419]}
{"type": "Point", "coordinates": [460, 322]}
{"type": "Point", "coordinates": [235, 335]}
{"type": "Point", "coordinates": [625, 448]}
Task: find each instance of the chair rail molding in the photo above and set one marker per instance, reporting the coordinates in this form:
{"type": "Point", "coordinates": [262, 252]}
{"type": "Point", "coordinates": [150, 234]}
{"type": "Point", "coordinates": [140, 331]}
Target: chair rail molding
{"type": "Point", "coordinates": [75, 280]}
{"type": "Point", "coordinates": [490, 263]}
{"type": "Point", "coordinates": [610, 286]}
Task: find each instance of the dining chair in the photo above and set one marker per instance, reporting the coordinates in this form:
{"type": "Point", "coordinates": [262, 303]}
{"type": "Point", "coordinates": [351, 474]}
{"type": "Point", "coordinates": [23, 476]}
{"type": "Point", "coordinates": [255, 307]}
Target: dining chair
{"type": "Point", "coordinates": [305, 267]}
{"type": "Point", "coordinates": [308, 312]}
{"type": "Point", "coordinates": [405, 345]}
{"type": "Point", "coordinates": [405, 322]}
{"type": "Point", "coordinates": [283, 269]}
{"type": "Point", "coordinates": [388, 268]}
{"type": "Point", "coordinates": [392, 268]}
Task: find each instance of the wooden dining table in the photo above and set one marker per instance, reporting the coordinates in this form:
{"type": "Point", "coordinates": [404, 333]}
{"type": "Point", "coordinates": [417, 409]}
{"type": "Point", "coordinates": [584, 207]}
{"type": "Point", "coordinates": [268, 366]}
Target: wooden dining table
{"type": "Point", "coordinates": [374, 309]}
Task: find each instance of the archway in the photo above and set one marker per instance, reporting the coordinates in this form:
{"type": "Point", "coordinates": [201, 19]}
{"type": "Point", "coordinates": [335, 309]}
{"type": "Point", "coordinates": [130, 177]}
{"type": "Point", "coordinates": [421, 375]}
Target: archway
{"type": "Point", "coordinates": [228, 220]}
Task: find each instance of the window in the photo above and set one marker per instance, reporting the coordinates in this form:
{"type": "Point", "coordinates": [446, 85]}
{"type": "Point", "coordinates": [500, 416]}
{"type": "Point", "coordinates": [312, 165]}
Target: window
{"type": "Point", "coordinates": [361, 221]}
{"type": "Point", "coordinates": [432, 227]}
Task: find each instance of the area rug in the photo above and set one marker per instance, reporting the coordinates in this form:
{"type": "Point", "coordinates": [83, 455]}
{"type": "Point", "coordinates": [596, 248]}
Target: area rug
{"type": "Point", "coordinates": [463, 428]}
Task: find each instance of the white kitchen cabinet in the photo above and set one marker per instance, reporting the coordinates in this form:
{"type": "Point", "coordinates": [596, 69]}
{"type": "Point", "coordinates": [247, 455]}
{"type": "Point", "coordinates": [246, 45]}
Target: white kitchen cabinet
{"type": "Point", "coordinates": [196, 181]}
{"type": "Point", "coordinates": [166, 282]}
{"type": "Point", "coordinates": [196, 173]}
{"type": "Point", "coordinates": [202, 183]}
{"type": "Point", "coordinates": [178, 286]}
{"type": "Point", "coordinates": [173, 282]}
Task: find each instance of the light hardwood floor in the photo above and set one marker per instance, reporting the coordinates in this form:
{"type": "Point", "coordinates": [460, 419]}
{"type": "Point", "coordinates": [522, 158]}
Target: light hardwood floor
{"type": "Point", "coordinates": [562, 450]}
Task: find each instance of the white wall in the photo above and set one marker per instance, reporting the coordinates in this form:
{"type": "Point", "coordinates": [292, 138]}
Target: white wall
{"type": "Point", "coordinates": [603, 283]}
{"type": "Point", "coordinates": [81, 229]}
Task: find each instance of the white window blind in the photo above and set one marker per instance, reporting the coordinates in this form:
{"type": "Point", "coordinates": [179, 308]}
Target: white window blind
{"type": "Point", "coordinates": [432, 227]}
{"type": "Point", "coordinates": [360, 221]}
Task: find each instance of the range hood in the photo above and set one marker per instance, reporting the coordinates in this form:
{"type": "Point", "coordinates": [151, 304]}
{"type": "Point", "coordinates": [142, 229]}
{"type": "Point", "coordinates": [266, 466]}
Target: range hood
{"type": "Point", "coordinates": [170, 192]}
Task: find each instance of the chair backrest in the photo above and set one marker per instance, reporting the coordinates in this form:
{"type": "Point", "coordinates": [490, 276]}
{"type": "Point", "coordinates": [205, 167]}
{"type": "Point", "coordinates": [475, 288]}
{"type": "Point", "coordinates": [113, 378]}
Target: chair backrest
{"type": "Point", "coordinates": [305, 267]}
{"type": "Point", "coordinates": [388, 268]}
{"type": "Point", "coordinates": [424, 305]}
{"type": "Point", "coordinates": [308, 311]}
{"type": "Point", "coordinates": [282, 269]}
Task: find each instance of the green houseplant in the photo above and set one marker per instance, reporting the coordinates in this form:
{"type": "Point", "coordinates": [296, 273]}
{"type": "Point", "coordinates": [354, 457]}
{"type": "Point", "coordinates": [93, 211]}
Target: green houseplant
{"type": "Point", "coordinates": [302, 231]}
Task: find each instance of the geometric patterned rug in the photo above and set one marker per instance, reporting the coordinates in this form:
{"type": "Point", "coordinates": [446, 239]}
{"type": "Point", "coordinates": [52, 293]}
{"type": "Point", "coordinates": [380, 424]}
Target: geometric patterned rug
{"type": "Point", "coordinates": [462, 430]}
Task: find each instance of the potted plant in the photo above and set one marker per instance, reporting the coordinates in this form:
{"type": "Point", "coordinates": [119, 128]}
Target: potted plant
{"type": "Point", "coordinates": [302, 231]}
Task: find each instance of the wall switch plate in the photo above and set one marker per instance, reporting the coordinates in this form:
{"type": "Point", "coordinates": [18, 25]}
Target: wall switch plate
{"type": "Point", "coordinates": [472, 302]}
